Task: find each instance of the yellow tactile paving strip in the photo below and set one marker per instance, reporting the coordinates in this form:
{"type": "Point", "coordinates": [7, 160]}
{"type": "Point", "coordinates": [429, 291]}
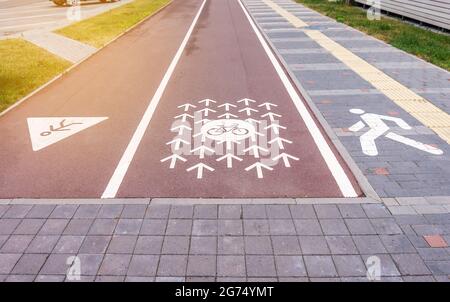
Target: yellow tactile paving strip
{"type": "Point", "coordinates": [290, 17]}
{"type": "Point", "coordinates": [417, 106]}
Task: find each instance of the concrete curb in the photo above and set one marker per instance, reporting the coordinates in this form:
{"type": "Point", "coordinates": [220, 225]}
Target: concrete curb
{"type": "Point", "coordinates": [57, 77]}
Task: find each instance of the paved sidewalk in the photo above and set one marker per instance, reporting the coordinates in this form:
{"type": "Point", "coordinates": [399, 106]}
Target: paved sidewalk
{"type": "Point", "coordinates": [61, 46]}
{"type": "Point", "coordinates": [160, 242]}
{"type": "Point", "coordinates": [340, 68]}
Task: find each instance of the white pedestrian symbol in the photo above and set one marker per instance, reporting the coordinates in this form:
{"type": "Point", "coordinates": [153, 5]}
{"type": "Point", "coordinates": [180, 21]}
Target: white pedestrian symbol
{"type": "Point", "coordinates": [378, 128]}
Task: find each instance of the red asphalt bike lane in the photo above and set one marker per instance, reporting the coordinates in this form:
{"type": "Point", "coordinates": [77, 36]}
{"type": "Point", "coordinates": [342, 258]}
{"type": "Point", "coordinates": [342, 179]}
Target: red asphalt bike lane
{"type": "Point", "coordinates": [227, 123]}
{"type": "Point", "coordinates": [249, 134]}
{"type": "Point", "coordinates": [117, 83]}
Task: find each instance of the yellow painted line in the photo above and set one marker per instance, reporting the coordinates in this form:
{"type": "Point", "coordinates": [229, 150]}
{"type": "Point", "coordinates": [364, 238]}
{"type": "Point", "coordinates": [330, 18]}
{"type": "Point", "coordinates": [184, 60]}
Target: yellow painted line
{"type": "Point", "coordinates": [417, 106]}
{"type": "Point", "coordinates": [287, 15]}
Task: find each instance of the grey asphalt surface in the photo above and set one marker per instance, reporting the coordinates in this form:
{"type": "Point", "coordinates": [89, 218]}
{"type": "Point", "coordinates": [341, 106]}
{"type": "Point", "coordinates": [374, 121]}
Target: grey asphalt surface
{"type": "Point", "coordinates": [17, 16]}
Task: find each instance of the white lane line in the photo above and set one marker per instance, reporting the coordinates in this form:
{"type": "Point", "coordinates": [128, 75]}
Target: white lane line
{"type": "Point", "coordinates": [127, 157]}
{"type": "Point", "coordinates": [26, 25]}
{"type": "Point", "coordinates": [335, 168]}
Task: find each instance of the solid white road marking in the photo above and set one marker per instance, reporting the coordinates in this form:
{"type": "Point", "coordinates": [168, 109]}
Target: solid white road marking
{"type": "Point", "coordinates": [130, 151]}
{"type": "Point", "coordinates": [206, 111]}
{"type": "Point", "coordinates": [246, 101]}
{"type": "Point", "coordinates": [202, 150]}
{"type": "Point", "coordinates": [227, 106]}
{"type": "Point", "coordinates": [279, 141]}
{"type": "Point", "coordinates": [200, 168]}
{"type": "Point", "coordinates": [229, 157]}
{"type": "Point", "coordinates": [186, 106]}
{"type": "Point", "coordinates": [248, 110]}
{"type": "Point", "coordinates": [207, 101]}
{"type": "Point", "coordinates": [335, 168]}
{"type": "Point", "coordinates": [271, 115]}
{"type": "Point", "coordinates": [285, 158]}
{"type": "Point", "coordinates": [173, 158]}
{"type": "Point", "coordinates": [181, 129]}
{"type": "Point", "coordinates": [178, 142]}
{"type": "Point", "coordinates": [258, 166]}
{"type": "Point", "coordinates": [275, 128]}
{"type": "Point", "coordinates": [45, 131]}
{"type": "Point", "coordinates": [184, 116]}
{"type": "Point", "coordinates": [227, 115]}
{"type": "Point", "coordinates": [255, 149]}
{"type": "Point", "coordinates": [268, 105]}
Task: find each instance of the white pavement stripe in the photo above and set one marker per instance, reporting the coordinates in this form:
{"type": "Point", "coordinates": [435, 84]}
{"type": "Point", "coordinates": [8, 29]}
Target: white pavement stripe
{"type": "Point", "coordinates": [26, 25]}
{"type": "Point", "coordinates": [335, 168]}
{"type": "Point", "coordinates": [127, 157]}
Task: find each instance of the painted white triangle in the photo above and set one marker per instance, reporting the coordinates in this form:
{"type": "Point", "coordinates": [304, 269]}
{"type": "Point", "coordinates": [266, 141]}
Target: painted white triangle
{"type": "Point", "coordinates": [45, 131]}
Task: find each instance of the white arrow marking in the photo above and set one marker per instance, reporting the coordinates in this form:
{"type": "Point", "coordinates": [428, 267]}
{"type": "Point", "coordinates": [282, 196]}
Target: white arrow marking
{"type": "Point", "coordinates": [181, 129]}
{"type": "Point", "coordinates": [200, 168]}
{"type": "Point", "coordinates": [227, 106]}
{"type": "Point", "coordinates": [248, 110]}
{"type": "Point", "coordinates": [253, 121]}
{"type": "Point", "coordinates": [246, 101]}
{"type": "Point", "coordinates": [258, 167]}
{"type": "Point", "coordinates": [201, 121]}
{"type": "Point", "coordinates": [206, 110]}
{"type": "Point", "coordinates": [183, 116]}
{"type": "Point", "coordinates": [254, 134]}
{"type": "Point", "coordinates": [279, 141]}
{"type": "Point", "coordinates": [229, 158]}
{"type": "Point", "coordinates": [271, 115]}
{"type": "Point", "coordinates": [267, 104]}
{"type": "Point", "coordinates": [173, 158]}
{"type": "Point", "coordinates": [285, 158]}
{"type": "Point", "coordinates": [178, 142]}
{"type": "Point", "coordinates": [45, 131]}
{"type": "Point", "coordinates": [207, 101]}
{"type": "Point", "coordinates": [186, 106]}
{"type": "Point", "coordinates": [227, 115]}
{"type": "Point", "coordinates": [203, 139]}
{"type": "Point", "coordinates": [229, 143]}
{"type": "Point", "coordinates": [255, 149]}
{"type": "Point", "coordinates": [202, 150]}
{"type": "Point", "coordinates": [275, 128]}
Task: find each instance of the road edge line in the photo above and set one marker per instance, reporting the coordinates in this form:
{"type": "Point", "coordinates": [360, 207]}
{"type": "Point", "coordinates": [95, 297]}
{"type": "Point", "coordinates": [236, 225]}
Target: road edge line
{"type": "Point", "coordinates": [339, 175]}
{"type": "Point", "coordinates": [72, 67]}
{"type": "Point", "coordinates": [127, 157]}
{"type": "Point", "coordinates": [366, 187]}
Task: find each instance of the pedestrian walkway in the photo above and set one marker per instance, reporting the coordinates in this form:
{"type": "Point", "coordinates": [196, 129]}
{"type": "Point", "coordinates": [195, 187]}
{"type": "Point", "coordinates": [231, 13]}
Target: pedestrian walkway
{"type": "Point", "coordinates": [342, 71]}
{"type": "Point", "coordinates": [71, 50]}
{"type": "Point", "coordinates": [164, 242]}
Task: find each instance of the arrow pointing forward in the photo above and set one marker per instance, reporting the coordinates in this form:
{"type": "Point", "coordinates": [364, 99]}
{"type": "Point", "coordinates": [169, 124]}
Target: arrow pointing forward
{"type": "Point", "coordinates": [207, 101]}
{"type": "Point", "coordinates": [202, 150]}
{"type": "Point", "coordinates": [246, 101]}
{"type": "Point", "coordinates": [206, 110]}
{"type": "Point", "coordinates": [183, 116]}
{"type": "Point", "coordinates": [186, 106]}
{"type": "Point", "coordinates": [275, 128]}
{"type": "Point", "coordinates": [227, 106]}
{"type": "Point", "coordinates": [285, 158]}
{"type": "Point", "coordinates": [229, 158]}
{"type": "Point", "coordinates": [271, 115]}
{"type": "Point", "coordinates": [173, 158]}
{"type": "Point", "coordinates": [258, 166]}
{"type": "Point", "coordinates": [178, 142]}
{"type": "Point", "coordinates": [248, 110]}
{"type": "Point", "coordinates": [229, 143]}
{"type": "Point", "coordinates": [255, 149]}
{"type": "Point", "coordinates": [267, 104]}
{"type": "Point", "coordinates": [253, 121]}
{"type": "Point", "coordinates": [201, 121]}
{"type": "Point", "coordinates": [279, 141]}
{"type": "Point", "coordinates": [227, 115]}
{"type": "Point", "coordinates": [200, 168]}
{"type": "Point", "coordinates": [181, 129]}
